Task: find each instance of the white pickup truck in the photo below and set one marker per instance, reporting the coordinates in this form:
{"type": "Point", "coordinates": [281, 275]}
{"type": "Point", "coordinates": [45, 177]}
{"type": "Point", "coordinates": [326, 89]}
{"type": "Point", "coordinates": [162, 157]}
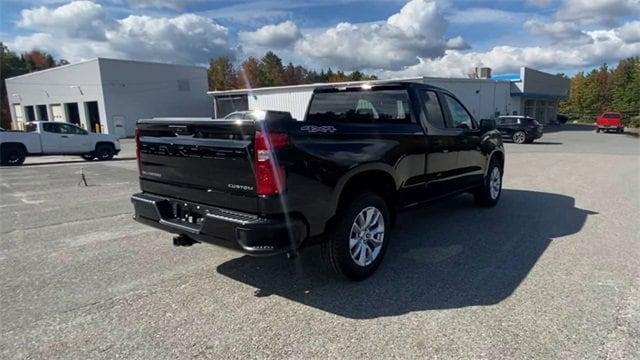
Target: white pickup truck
{"type": "Point", "coordinates": [55, 138]}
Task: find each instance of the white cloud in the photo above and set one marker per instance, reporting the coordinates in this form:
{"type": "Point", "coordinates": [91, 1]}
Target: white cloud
{"type": "Point", "coordinates": [418, 30]}
{"type": "Point", "coordinates": [78, 19]}
{"type": "Point", "coordinates": [185, 38]}
{"type": "Point", "coordinates": [605, 12]}
{"type": "Point", "coordinates": [607, 46]}
{"type": "Point", "coordinates": [457, 43]}
{"type": "Point", "coordinates": [558, 32]}
{"type": "Point", "coordinates": [277, 36]}
{"type": "Point", "coordinates": [629, 32]}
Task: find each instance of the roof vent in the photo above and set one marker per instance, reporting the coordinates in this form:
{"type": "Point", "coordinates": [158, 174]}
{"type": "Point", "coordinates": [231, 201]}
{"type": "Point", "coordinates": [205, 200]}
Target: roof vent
{"type": "Point", "coordinates": [483, 73]}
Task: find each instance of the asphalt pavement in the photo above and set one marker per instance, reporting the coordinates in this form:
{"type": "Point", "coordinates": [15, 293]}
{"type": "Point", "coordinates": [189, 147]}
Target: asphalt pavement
{"type": "Point", "coordinates": [552, 272]}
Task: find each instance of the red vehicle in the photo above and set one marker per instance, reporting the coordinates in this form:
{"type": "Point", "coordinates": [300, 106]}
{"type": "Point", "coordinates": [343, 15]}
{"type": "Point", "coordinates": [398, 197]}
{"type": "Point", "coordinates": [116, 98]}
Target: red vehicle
{"type": "Point", "coordinates": [610, 121]}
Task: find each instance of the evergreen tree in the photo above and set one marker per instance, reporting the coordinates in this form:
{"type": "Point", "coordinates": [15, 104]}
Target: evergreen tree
{"type": "Point", "coordinates": [271, 72]}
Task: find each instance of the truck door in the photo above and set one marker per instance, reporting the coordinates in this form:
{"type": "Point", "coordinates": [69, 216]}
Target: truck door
{"type": "Point", "coordinates": [74, 140]}
{"type": "Point", "coordinates": [442, 147]}
{"type": "Point", "coordinates": [470, 159]}
{"type": "Point", "coordinates": [51, 138]}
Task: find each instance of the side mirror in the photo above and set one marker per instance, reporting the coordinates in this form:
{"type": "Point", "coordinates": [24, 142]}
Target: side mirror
{"type": "Point", "coordinates": [487, 124]}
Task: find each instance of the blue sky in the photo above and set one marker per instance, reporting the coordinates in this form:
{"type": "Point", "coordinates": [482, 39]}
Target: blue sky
{"type": "Point", "coordinates": [386, 37]}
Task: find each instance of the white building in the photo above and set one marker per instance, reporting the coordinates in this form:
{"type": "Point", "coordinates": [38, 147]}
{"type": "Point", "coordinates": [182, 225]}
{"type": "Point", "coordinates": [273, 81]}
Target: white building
{"type": "Point", "coordinates": [532, 93]}
{"type": "Point", "coordinates": [108, 95]}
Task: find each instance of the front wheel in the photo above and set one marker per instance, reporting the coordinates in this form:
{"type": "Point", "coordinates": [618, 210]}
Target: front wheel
{"type": "Point", "coordinates": [358, 239]}
{"type": "Point", "coordinates": [489, 193]}
{"type": "Point", "coordinates": [597, 130]}
{"type": "Point", "coordinates": [105, 152]}
{"type": "Point", "coordinates": [88, 157]}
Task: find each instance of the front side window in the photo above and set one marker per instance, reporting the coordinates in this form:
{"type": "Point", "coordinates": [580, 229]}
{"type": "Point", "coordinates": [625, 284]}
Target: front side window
{"type": "Point", "coordinates": [365, 106]}
{"type": "Point", "coordinates": [70, 129]}
{"type": "Point", "coordinates": [459, 115]}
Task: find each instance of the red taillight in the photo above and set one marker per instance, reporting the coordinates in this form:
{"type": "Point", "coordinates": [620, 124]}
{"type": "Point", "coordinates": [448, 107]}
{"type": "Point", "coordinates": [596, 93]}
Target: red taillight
{"type": "Point", "coordinates": [138, 152]}
{"type": "Point", "coordinates": [270, 175]}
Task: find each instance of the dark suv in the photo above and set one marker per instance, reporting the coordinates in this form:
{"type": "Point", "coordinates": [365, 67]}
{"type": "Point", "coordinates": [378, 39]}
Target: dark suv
{"type": "Point", "coordinates": [270, 184]}
{"type": "Point", "coordinates": [520, 129]}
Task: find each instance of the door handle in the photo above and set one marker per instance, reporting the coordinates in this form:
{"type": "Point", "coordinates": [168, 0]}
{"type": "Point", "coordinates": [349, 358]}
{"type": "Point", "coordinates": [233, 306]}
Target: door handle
{"type": "Point", "coordinates": [64, 136]}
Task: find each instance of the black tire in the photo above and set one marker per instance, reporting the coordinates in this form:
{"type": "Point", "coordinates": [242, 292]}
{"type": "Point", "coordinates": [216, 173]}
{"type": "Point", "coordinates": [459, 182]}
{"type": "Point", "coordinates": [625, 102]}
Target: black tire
{"type": "Point", "coordinates": [89, 157]}
{"type": "Point", "coordinates": [13, 155]}
{"type": "Point", "coordinates": [105, 152]}
{"type": "Point", "coordinates": [519, 137]}
{"type": "Point", "coordinates": [597, 130]}
{"type": "Point", "coordinates": [529, 141]}
{"type": "Point", "coordinates": [484, 195]}
{"type": "Point", "coordinates": [336, 249]}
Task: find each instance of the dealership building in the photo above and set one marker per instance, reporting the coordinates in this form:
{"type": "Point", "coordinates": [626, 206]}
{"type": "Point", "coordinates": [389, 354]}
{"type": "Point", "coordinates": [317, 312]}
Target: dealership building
{"type": "Point", "coordinates": [531, 92]}
{"type": "Point", "coordinates": [108, 95]}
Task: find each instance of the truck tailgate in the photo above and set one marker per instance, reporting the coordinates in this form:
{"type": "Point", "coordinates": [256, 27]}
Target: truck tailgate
{"type": "Point", "coordinates": [205, 161]}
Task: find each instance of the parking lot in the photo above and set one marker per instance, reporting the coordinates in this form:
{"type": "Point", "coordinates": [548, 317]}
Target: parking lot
{"type": "Point", "coordinates": [552, 271]}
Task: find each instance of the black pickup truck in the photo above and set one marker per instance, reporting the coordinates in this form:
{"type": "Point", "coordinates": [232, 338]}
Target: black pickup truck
{"type": "Point", "coordinates": [268, 184]}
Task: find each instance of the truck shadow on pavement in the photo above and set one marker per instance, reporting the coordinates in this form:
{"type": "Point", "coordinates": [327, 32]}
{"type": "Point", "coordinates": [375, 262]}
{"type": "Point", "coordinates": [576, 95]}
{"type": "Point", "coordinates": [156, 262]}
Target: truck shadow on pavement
{"type": "Point", "coordinates": [446, 256]}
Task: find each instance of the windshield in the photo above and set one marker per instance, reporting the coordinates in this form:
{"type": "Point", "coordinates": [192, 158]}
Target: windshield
{"type": "Point", "coordinates": [611, 116]}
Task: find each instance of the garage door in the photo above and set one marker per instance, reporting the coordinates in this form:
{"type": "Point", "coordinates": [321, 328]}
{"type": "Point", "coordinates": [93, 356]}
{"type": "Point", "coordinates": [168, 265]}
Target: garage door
{"type": "Point", "coordinates": [17, 109]}
{"type": "Point", "coordinates": [57, 112]}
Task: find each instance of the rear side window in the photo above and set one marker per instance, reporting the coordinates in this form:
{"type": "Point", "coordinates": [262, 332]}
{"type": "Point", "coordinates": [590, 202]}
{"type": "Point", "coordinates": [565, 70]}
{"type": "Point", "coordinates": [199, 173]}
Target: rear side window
{"type": "Point", "coordinates": [366, 106]}
{"type": "Point", "coordinates": [51, 127]}
{"type": "Point", "coordinates": [434, 110]}
{"type": "Point", "coordinates": [31, 128]}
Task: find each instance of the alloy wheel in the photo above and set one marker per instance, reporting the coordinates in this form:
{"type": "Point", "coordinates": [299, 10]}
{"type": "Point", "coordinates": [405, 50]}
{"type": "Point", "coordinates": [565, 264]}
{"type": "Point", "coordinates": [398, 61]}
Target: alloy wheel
{"type": "Point", "coordinates": [366, 236]}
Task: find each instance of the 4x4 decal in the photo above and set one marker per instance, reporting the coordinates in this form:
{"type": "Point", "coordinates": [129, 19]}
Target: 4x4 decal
{"type": "Point", "coordinates": [315, 129]}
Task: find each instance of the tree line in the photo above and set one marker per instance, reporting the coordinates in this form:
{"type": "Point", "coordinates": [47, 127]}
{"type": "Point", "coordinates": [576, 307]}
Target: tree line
{"type": "Point", "coordinates": [270, 71]}
{"type": "Point", "coordinates": [13, 64]}
{"type": "Point", "coordinates": [606, 89]}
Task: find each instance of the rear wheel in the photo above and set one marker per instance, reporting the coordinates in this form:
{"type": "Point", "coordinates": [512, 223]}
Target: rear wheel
{"type": "Point", "coordinates": [358, 239]}
{"type": "Point", "coordinates": [597, 130]}
{"type": "Point", "coordinates": [105, 152]}
{"type": "Point", "coordinates": [489, 193]}
{"type": "Point", "coordinates": [13, 155]}
{"type": "Point", "coordinates": [89, 157]}
{"type": "Point", "coordinates": [519, 137]}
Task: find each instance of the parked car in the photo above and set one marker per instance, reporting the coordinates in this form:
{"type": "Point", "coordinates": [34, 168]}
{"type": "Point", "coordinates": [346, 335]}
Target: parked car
{"type": "Point", "coordinates": [55, 138]}
{"type": "Point", "coordinates": [610, 121]}
{"type": "Point", "coordinates": [338, 178]}
{"type": "Point", "coordinates": [520, 129]}
{"type": "Point", "coordinates": [562, 118]}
